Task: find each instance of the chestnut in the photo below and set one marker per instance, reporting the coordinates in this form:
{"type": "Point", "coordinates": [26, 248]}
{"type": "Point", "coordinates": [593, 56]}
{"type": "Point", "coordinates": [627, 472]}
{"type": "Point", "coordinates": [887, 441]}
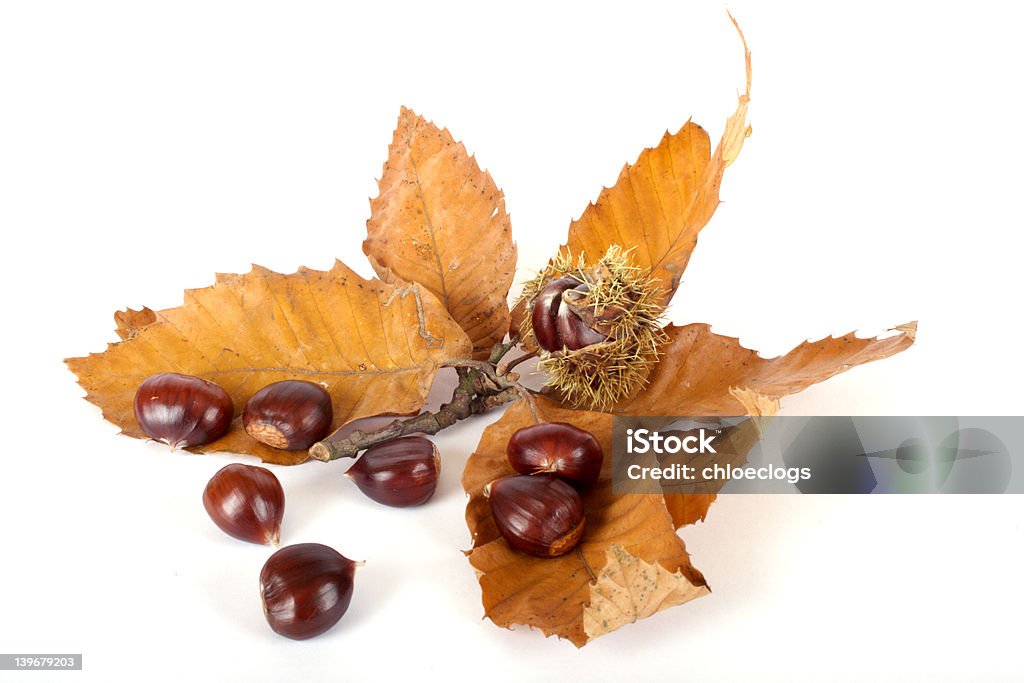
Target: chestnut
{"type": "Point", "coordinates": [399, 473]}
{"type": "Point", "coordinates": [182, 410]}
{"type": "Point", "coordinates": [290, 415]}
{"type": "Point", "coordinates": [246, 502]}
{"type": "Point", "coordinates": [305, 589]}
{"type": "Point", "coordinates": [557, 448]}
{"type": "Point", "coordinates": [539, 515]}
{"type": "Point", "coordinates": [544, 314]}
{"type": "Point", "coordinates": [555, 325]}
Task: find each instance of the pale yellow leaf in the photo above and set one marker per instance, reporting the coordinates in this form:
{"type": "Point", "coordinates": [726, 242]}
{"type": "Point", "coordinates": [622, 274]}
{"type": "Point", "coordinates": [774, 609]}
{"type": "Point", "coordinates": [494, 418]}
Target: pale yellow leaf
{"type": "Point", "coordinates": [628, 589]}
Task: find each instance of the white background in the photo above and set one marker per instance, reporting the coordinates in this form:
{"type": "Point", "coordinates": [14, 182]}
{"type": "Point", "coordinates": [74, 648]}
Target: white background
{"type": "Point", "coordinates": [145, 146]}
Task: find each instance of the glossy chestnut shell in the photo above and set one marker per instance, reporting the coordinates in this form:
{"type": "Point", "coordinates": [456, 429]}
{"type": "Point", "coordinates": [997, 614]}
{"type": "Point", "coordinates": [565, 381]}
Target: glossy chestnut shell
{"type": "Point", "coordinates": [539, 515]}
{"type": "Point", "coordinates": [556, 448]}
{"type": "Point", "coordinates": [289, 415]}
{"type": "Point", "coordinates": [246, 502]}
{"type": "Point", "coordinates": [182, 410]}
{"type": "Point", "coordinates": [306, 588]}
{"type": "Point", "coordinates": [399, 473]}
{"type": "Point", "coordinates": [555, 325]}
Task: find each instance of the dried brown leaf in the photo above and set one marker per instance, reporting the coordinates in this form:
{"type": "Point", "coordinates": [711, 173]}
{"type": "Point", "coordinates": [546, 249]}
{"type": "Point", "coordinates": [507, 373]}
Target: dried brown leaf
{"type": "Point", "coordinates": [130, 321]}
{"type": "Point", "coordinates": [440, 221]}
{"type": "Point", "coordinates": [689, 508]}
{"type": "Point", "coordinates": [553, 594]}
{"type": "Point", "coordinates": [702, 373]}
{"type": "Point", "coordinates": [702, 366]}
{"type": "Point", "coordinates": [515, 324]}
{"type": "Point", "coordinates": [759, 407]}
{"type": "Point", "coordinates": [661, 202]}
{"type": "Point", "coordinates": [733, 446]}
{"type": "Point", "coordinates": [375, 347]}
{"type": "Point", "coordinates": [699, 369]}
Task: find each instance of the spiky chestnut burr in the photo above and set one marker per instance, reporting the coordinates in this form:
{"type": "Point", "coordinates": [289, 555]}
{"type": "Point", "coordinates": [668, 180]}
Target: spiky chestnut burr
{"type": "Point", "coordinates": [597, 325]}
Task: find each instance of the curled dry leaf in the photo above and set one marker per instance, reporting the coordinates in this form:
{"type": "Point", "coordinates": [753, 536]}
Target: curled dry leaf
{"type": "Point", "coordinates": [761, 408]}
{"type": "Point", "coordinates": [441, 221]}
{"type": "Point", "coordinates": [661, 202]}
{"type": "Point", "coordinates": [703, 373]}
{"type": "Point", "coordinates": [375, 347]}
{"type": "Point", "coordinates": [130, 321]}
{"type": "Point", "coordinates": [689, 508]}
{"type": "Point", "coordinates": [517, 317]}
{"type": "Point", "coordinates": [699, 369]}
{"type": "Point", "coordinates": [553, 594]}
{"type": "Point", "coordinates": [733, 446]}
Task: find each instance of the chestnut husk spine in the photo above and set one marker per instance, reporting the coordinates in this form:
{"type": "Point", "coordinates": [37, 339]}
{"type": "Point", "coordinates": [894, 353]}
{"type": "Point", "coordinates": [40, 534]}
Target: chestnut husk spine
{"type": "Point", "coordinates": [540, 515]}
{"type": "Point", "coordinates": [399, 473]}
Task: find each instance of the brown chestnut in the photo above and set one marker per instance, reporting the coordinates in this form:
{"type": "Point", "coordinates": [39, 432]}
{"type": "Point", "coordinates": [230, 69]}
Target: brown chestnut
{"type": "Point", "coordinates": [290, 415]}
{"type": "Point", "coordinates": [556, 448]}
{"type": "Point", "coordinates": [545, 312]}
{"type": "Point", "coordinates": [246, 502]}
{"type": "Point", "coordinates": [555, 325]}
{"type": "Point", "coordinates": [399, 473]}
{"type": "Point", "coordinates": [538, 515]}
{"type": "Point", "coordinates": [182, 410]}
{"type": "Point", "coordinates": [306, 588]}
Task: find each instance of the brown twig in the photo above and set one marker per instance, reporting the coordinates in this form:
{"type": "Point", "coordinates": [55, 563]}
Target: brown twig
{"type": "Point", "coordinates": [480, 388]}
{"type": "Point", "coordinates": [505, 366]}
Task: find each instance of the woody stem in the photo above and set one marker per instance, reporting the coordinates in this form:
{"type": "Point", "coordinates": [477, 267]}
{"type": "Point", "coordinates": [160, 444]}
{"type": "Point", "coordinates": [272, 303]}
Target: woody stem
{"type": "Point", "coordinates": [480, 388]}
